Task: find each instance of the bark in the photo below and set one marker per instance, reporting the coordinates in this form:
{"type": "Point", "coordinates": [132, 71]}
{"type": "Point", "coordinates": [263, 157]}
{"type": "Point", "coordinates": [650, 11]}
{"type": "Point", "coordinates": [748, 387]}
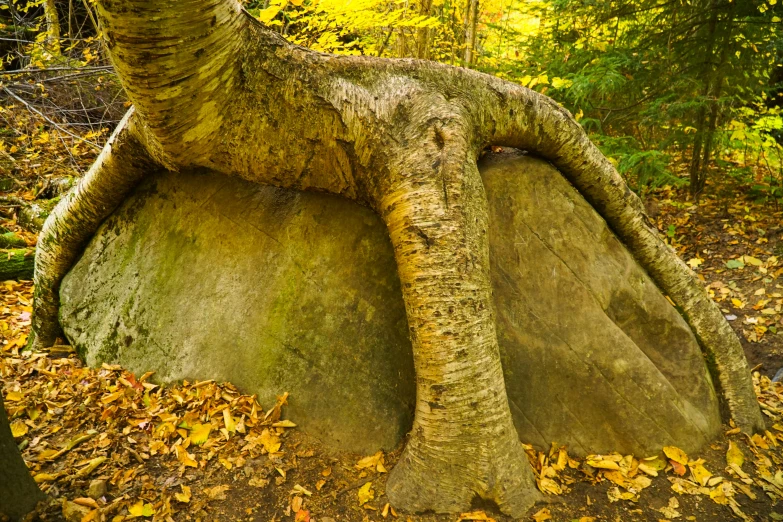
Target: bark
{"type": "Point", "coordinates": [52, 26]}
{"type": "Point", "coordinates": [121, 164]}
{"type": "Point", "coordinates": [698, 171]}
{"type": "Point", "coordinates": [471, 22]}
{"type": "Point", "coordinates": [213, 89]}
{"type": "Point", "coordinates": [18, 493]}
{"type": "Point", "coordinates": [423, 33]}
{"type": "Point", "coordinates": [17, 264]}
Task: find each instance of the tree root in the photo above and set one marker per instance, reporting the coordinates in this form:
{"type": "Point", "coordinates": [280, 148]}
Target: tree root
{"type": "Point", "coordinates": [120, 166]}
{"type": "Point", "coordinates": [531, 121]}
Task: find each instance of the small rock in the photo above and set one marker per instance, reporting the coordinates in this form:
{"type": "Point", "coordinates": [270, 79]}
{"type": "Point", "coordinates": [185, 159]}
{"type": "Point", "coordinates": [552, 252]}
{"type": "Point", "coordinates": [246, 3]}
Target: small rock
{"type": "Point", "coordinates": [778, 376]}
{"type": "Point", "coordinates": [74, 512]}
{"type": "Point", "coordinates": [97, 489]}
{"type": "Point", "coordinates": [731, 317]}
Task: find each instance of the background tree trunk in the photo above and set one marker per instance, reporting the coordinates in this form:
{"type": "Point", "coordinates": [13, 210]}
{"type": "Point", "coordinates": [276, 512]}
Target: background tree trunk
{"type": "Point", "coordinates": [471, 23]}
{"type": "Point", "coordinates": [18, 492]}
{"type": "Point", "coordinates": [52, 25]}
{"type": "Point", "coordinates": [423, 36]}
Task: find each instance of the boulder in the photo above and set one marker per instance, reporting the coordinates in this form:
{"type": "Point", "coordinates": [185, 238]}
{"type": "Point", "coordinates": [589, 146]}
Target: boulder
{"type": "Point", "coordinates": [199, 276]}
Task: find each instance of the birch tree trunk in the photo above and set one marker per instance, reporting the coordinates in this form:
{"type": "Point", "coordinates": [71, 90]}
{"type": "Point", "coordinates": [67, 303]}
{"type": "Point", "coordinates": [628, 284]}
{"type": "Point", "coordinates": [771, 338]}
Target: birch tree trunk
{"type": "Point", "coordinates": [213, 89]}
{"type": "Point", "coordinates": [18, 493]}
{"type": "Point", "coordinates": [52, 25]}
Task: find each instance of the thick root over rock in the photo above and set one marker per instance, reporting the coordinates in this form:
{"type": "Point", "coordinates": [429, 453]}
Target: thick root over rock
{"type": "Point", "coordinates": [120, 166]}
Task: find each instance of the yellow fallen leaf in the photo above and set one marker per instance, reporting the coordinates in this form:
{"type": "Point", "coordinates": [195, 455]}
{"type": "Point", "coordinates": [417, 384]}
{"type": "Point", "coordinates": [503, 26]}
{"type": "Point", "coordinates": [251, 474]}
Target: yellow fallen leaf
{"type": "Point", "coordinates": [270, 441]}
{"type": "Point", "coordinates": [112, 397]}
{"type": "Point", "coordinates": [44, 477]}
{"type": "Point", "coordinates": [365, 493]}
{"type": "Point", "coordinates": [700, 473]}
{"type": "Point", "coordinates": [185, 458]}
{"type": "Point", "coordinates": [750, 260]}
{"type": "Point", "coordinates": [184, 496]}
{"type": "Point", "coordinates": [140, 509]}
{"type": "Point", "coordinates": [656, 463]}
{"type": "Point", "coordinates": [374, 461]}
{"type": "Point", "coordinates": [695, 262]}
{"type": "Point", "coordinates": [597, 462]}
{"type": "Point", "coordinates": [283, 424]}
{"type": "Point", "coordinates": [542, 515]}
{"type": "Point", "coordinates": [217, 493]}
{"type": "Point", "coordinates": [13, 397]}
{"type": "Point", "coordinates": [229, 421]}
{"type": "Point", "coordinates": [475, 516]}
{"type": "Point", "coordinates": [648, 470]}
{"type": "Point", "coordinates": [199, 433]}
{"type": "Point", "coordinates": [299, 490]}
{"type": "Point", "coordinates": [18, 429]}
{"type": "Point", "coordinates": [547, 485]}
{"type": "Point", "coordinates": [676, 454]}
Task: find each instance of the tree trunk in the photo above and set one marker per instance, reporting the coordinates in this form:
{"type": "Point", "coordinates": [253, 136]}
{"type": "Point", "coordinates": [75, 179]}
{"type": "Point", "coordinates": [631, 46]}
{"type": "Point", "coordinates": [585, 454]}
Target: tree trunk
{"type": "Point", "coordinates": [213, 89]}
{"type": "Point", "coordinates": [423, 35]}
{"type": "Point", "coordinates": [18, 493]}
{"type": "Point", "coordinates": [716, 88]}
{"type": "Point", "coordinates": [471, 22]}
{"type": "Point", "coordinates": [698, 168]}
{"type": "Point", "coordinates": [52, 26]}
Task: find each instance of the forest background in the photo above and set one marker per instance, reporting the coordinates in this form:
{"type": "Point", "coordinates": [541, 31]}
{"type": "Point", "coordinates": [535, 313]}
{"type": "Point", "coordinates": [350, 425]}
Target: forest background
{"type": "Point", "coordinates": [673, 91]}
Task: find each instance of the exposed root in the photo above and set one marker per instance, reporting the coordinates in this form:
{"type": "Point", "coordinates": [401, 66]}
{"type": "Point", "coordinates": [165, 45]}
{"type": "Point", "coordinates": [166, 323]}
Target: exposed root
{"type": "Point", "coordinates": [531, 121]}
{"type": "Point", "coordinates": [120, 166]}
{"type": "Point", "coordinates": [446, 480]}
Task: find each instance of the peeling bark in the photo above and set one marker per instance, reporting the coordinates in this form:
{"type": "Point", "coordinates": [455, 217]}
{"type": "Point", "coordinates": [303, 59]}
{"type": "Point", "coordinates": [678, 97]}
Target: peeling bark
{"type": "Point", "coordinates": [214, 89]}
{"type": "Point", "coordinates": [121, 164]}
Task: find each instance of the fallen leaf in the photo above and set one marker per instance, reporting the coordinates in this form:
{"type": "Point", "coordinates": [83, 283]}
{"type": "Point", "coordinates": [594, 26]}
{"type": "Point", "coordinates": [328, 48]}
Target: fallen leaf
{"type": "Point", "coordinates": [18, 429]}
{"type": "Point", "coordinates": [676, 454]}
{"type": "Point", "coordinates": [199, 433]}
{"type": "Point", "coordinates": [365, 493]}
{"type": "Point", "coordinates": [542, 515]}
{"type": "Point", "coordinates": [217, 492]}
{"type": "Point", "coordinates": [475, 515]}
{"type": "Point", "coordinates": [184, 496]}
{"type": "Point", "coordinates": [140, 509]}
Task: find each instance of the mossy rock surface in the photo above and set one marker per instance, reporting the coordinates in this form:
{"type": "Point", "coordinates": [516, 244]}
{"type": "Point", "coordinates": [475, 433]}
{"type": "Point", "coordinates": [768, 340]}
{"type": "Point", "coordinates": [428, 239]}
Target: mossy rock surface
{"type": "Point", "coordinates": [199, 276]}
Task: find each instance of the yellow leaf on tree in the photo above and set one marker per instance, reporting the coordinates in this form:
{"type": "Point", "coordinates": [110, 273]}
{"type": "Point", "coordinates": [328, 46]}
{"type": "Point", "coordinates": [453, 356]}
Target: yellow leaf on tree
{"type": "Point", "coordinates": [676, 454]}
{"type": "Point", "coordinates": [266, 15]}
{"type": "Point", "coordinates": [734, 455]}
{"type": "Point", "coordinates": [184, 496]}
{"type": "Point", "coordinates": [365, 493]}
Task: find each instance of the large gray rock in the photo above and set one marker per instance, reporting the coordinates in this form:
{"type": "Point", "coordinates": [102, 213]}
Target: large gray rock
{"type": "Point", "coordinates": [198, 276]}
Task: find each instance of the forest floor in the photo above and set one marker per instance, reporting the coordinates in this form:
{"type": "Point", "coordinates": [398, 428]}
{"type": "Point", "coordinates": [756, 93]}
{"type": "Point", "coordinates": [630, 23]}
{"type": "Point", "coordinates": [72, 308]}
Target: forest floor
{"type": "Point", "coordinates": [108, 445]}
